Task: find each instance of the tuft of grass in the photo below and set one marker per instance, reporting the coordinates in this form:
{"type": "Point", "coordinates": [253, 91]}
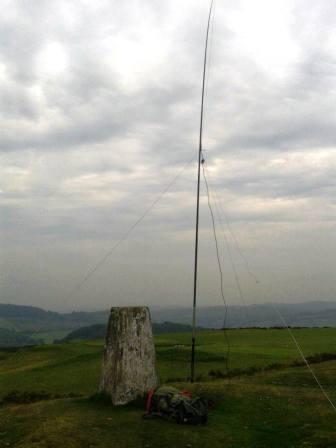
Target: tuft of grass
{"type": "Point", "coordinates": [27, 397]}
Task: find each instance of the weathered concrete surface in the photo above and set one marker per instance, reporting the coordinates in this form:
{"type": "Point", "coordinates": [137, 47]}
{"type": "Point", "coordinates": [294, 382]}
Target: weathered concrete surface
{"type": "Point", "coordinates": [129, 357]}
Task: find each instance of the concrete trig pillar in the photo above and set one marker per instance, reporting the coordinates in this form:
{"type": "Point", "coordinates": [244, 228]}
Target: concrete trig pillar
{"type": "Point", "coordinates": [129, 356]}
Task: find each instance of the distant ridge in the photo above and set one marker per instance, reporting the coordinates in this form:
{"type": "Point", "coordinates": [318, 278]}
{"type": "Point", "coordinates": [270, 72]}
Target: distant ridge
{"type": "Point", "coordinates": [98, 331]}
{"type": "Point", "coordinates": [307, 314]}
{"type": "Point", "coordinates": [31, 321]}
{"type": "Point", "coordinates": [34, 319]}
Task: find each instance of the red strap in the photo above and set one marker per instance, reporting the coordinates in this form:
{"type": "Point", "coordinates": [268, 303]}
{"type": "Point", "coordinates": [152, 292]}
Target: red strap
{"type": "Point", "coordinates": [149, 400]}
{"type": "Point", "coordinates": [186, 393]}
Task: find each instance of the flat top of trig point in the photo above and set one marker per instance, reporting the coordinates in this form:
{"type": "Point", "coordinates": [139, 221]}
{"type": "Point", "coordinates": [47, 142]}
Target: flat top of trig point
{"type": "Point", "coordinates": [129, 308]}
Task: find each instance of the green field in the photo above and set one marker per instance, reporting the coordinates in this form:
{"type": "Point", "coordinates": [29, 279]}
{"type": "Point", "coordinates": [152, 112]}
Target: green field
{"type": "Point", "coordinates": [268, 400]}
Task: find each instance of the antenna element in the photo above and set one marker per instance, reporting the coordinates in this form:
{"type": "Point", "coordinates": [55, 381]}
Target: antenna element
{"type": "Point", "coordinates": [193, 339]}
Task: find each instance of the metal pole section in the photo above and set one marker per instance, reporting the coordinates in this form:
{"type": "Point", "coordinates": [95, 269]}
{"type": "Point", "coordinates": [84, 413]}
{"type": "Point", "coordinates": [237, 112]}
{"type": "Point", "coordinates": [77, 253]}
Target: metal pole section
{"type": "Point", "coordinates": [193, 339]}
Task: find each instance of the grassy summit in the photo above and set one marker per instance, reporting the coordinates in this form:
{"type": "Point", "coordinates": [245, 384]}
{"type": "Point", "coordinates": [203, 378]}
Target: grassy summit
{"type": "Point", "coordinates": [267, 401]}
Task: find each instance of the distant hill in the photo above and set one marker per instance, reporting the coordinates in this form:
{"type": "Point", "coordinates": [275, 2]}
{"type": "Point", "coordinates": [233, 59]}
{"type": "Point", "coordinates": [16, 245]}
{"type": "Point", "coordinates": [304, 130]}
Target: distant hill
{"type": "Point", "coordinates": [29, 321]}
{"type": "Point", "coordinates": [98, 331]}
{"type": "Point", "coordinates": [11, 338]}
{"type": "Point", "coordinates": [308, 314]}
{"type": "Point", "coordinates": [34, 320]}
{"type": "Point", "coordinates": [173, 327]}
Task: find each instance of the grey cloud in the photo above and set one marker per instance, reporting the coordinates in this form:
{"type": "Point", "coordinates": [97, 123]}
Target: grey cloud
{"type": "Point", "coordinates": [94, 151]}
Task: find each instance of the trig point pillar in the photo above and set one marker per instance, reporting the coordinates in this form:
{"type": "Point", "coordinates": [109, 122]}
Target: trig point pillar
{"type": "Point", "coordinates": [129, 356]}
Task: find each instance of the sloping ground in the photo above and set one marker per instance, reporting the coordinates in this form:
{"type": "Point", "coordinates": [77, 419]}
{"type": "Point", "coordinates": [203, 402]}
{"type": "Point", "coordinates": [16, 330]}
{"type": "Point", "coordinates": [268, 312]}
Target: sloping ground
{"type": "Point", "coordinates": [282, 407]}
{"type": "Point", "coordinates": [59, 368]}
{"type": "Point", "coordinates": [246, 414]}
{"type": "Point", "coordinates": [54, 368]}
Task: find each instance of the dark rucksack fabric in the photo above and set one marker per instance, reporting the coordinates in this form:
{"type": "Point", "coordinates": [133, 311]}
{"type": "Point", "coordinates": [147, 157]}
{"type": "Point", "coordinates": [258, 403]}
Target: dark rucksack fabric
{"type": "Point", "coordinates": [171, 404]}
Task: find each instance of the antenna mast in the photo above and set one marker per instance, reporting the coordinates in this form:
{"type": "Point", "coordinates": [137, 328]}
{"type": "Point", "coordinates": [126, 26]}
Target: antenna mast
{"type": "Point", "coordinates": [192, 373]}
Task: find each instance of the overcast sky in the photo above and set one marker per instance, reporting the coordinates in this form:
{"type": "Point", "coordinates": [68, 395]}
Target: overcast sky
{"type": "Point", "coordinates": [100, 105]}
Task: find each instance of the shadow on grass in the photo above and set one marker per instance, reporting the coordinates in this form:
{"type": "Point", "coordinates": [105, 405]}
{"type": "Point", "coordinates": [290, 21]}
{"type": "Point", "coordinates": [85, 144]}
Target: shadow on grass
{"type": "Point", "coordinates": [103, 399]}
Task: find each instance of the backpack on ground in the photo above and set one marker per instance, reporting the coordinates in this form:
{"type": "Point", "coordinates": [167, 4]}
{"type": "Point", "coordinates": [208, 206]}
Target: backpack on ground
{"type": "Point", "coordinates": [171, 404]}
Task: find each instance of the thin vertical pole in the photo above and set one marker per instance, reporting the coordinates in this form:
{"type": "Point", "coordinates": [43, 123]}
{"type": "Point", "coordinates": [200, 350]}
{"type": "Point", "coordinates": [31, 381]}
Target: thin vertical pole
{"type": "Point", "coordinates": [193, 339]}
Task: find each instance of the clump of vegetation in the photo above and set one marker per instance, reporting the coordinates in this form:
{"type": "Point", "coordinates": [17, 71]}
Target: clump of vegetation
{"type": "Point", "coordinates": [252, 370]}
{"type": "Point", "coordinates": [235, 372]}
{"type": "Point", "coordinates": [27, 397]}
{"type": "Point", "coordinates": [316, 358]}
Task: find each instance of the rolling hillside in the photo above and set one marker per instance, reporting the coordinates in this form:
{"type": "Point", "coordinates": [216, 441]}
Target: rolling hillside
{"type": "Point", "coordinates": [38, 324]}
{"type": "Point", "coordinates": [98, 331]}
